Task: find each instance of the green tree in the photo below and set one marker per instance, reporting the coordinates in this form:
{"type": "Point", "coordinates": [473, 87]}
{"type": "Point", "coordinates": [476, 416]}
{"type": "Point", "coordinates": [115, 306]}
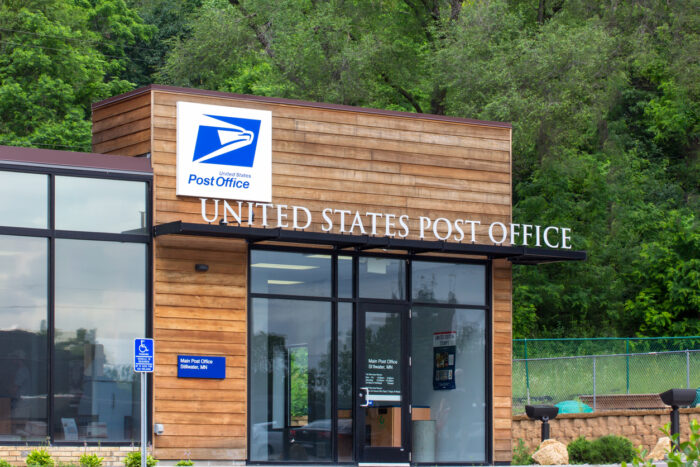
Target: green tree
{"type": "Point", "coordinates": [59, 56]}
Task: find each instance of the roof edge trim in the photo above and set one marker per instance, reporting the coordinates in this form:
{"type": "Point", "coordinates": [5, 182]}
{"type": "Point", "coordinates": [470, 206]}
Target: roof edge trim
{"type": "Point", "coordinates": [301, 103]}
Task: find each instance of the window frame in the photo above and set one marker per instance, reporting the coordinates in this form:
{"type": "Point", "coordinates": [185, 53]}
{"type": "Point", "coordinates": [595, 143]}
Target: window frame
{"type": "Point", "coordinates": [355, 300]}
{"type": "Point", "coordinates": [51, 234]}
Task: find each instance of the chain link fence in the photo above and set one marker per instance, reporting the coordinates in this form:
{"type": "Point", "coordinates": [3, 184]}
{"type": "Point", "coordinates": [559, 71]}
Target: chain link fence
{"type": "Point", "coordinates": [604, 381]}
{"type": "Point", "coordinates": [577, 346]}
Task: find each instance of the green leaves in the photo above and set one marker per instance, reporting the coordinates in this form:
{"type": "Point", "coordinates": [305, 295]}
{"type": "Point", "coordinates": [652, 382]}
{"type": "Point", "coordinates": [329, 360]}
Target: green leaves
{"type": "Point", "coordinates": [603, 102]}
{"type": "Point", "coordinates": [57, 58]}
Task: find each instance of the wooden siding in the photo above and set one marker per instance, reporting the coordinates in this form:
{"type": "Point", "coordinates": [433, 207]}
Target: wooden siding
{"type": "Point", "coordinates": [123, 128]}
{"type": "Point", "coordinates": [321, 158]}
{"type": "Point", "coordinates": [200, 314]}
{"type": "Point", "coordinates": [502, 360]}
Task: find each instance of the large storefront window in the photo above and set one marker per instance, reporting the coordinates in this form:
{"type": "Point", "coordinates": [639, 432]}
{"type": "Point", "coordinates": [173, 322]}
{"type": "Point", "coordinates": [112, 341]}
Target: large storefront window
{"type": "Point", "coordinates": [23, 338]}
{"type": "Point", "coordinates": [290, 409]}
{"type": "Point", "coordinates": [449, 358]}
{"type": "Point", "coordinates": [73, 296]}
{"type": "Point", "coordinates": [304, 347]}
{"type": "Point", "coordinates": [100, 309]}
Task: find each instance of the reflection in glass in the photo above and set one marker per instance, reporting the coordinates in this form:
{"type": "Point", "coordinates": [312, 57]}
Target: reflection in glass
{"type": "Point", "coordinates": [345, 276]}
{"type": "Point", "coordinates": [277, 272]}
{"type": "Point", "coordinates": [100, 205]}
{"type": "Point", "coordinates": [459, 413]}
{"type": "Point", "coordinates": [345, 394]}
{"type": "Point", "coordinates": [382, 278]}
{"type": "Point", "coordinates": [100, 309]}
{"type": "Point", "coordinates": [449, 283]}
{"type": "Point", "coordinates": [290, 380]}
{"type": "Point", "coordinates": [23, 314]}
{"type": "Point", "coordinates": [24, 200]}
{"type": "Point", "coordinates": [382, 372]}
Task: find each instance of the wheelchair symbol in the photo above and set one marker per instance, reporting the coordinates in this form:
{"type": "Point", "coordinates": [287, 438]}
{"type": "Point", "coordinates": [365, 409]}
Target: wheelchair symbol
{"type": "Point", "coordinates": [143, 348]}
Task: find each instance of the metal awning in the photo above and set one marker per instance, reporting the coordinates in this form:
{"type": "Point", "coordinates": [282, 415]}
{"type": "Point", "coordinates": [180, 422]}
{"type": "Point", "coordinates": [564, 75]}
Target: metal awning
{"type": "Point", "coordinates": [515, 254]}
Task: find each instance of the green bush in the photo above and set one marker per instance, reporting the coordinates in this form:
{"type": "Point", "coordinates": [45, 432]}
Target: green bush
{"type": "Point", "coordinates": [39, 457]}
{"type": "Point", "coordinates": [580, 451]}
{"type": "Point", "coordinates": [4, 463]}
{"type": "Point", "coordinates": [604, 450]}
{"type": "Point", "coordinates": [133, 459]}
{"type": "Point", "coordinates": [185, 463]}
{"type": "Point", "coordinates": [91, 460]}
{"type": "Point", "coordinates": [520, 454]}
{"type": "Point", "coordinates": [614, 449]}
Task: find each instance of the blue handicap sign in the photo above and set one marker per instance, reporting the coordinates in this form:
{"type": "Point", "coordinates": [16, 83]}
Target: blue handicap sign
{"type": "Point", "coordinates": [143, 355]}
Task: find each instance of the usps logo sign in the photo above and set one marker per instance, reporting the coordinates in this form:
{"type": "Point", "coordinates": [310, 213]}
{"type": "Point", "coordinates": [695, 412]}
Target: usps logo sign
{"type": "Point", "coordinates": [224, 152]}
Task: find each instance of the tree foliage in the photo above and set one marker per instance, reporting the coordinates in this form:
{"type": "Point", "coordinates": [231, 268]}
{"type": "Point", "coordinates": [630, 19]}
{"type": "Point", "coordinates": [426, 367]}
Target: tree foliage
{"type": "Point", "coordinates": [602, 95]}
{"type": "Point", "coordinates": [57, 57]}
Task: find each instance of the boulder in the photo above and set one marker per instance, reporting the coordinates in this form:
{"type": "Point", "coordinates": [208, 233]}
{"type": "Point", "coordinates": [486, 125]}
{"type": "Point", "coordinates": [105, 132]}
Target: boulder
{"type": "Point", "coordinates": [551, 452]}
{"type": "Point", "coordinates": [663, 446]}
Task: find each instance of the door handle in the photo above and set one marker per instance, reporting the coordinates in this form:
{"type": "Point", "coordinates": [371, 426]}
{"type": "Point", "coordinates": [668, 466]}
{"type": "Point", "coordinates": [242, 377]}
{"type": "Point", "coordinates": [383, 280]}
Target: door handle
{"type": "Point", "coordinates": [365, 396]}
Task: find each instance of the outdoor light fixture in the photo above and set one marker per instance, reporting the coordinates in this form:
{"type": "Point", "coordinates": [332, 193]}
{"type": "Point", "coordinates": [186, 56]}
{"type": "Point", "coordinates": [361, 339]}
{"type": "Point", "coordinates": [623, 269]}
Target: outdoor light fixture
{"type": "Point", "coordinates": [545, 413]}
{"type": "Point", "coordinates": [199, 267]}
{"type": "Point", "coordinates": [677, 398]}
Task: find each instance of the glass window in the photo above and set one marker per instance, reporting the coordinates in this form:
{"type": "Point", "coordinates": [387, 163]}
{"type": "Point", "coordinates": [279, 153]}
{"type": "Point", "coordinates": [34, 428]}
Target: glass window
{"type": "Point", "coordinates": [449, 283]}
{"type": "Point", "coordinates": [99, 309]}
{"type": "Point", "coordinates": [345, 276]}
{"type": "Point", "coordinates": [290, 380]}
{"type": "Point", "coordinates": [23, 344]}
{"type": "Point", "coordinates": [276, 272]}
{"type": "Point", "coordinates": [345, 394]}
{"type": "Point", "coordinates": [449, 380]}
{"type": "Point", "coordinates": [100, 205]}
{"type": "Point", "coordinates": [382, 278]}
{"type": "Point", "coordinates": [24, 200]}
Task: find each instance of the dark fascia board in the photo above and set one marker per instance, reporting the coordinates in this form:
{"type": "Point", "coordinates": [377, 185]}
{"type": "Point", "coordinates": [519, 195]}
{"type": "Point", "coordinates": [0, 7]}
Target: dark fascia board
{"type": "Point", "coordinates": [278, 100]}
{"type": "Point", "coordinates": [516, 254]}
{"type": "Point", "coordinates": [75, 160]}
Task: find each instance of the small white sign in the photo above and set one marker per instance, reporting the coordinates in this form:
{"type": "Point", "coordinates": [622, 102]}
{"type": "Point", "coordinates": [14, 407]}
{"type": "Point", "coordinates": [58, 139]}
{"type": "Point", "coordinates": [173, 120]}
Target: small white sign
{"type": "Point", "coordinates": [224, 152]}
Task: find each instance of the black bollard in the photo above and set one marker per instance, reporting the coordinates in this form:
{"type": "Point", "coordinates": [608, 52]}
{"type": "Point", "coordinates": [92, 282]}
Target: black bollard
{"type": "Point", "coordinates": [545, 428]}
{"type": "Point", "coordinates": [677, 398]}
{"type": "Point", "coordinates": [544, 413]}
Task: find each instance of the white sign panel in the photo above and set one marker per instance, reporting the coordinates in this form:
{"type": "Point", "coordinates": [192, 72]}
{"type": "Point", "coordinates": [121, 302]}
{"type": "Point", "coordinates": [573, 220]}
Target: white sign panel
{"type": "Point", "coordinates": [224, 152]}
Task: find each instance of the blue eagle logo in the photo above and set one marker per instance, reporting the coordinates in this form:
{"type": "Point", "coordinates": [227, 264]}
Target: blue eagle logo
{"type": "Point", "coordinates": [231, 142]}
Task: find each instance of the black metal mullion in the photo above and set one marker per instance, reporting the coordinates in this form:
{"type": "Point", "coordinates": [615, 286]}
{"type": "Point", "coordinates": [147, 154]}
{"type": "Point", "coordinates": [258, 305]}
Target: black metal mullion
{"type": "Point", "coordinates": [334, 358]}
{"type": "Point", "coordinates": [488, 355]}
{"type": "Point", "coordinates": [408, 334]}
{"type": "Point", "coordinates": [51, 322]}
{"type": "Point", "coordinates": [355, 360]}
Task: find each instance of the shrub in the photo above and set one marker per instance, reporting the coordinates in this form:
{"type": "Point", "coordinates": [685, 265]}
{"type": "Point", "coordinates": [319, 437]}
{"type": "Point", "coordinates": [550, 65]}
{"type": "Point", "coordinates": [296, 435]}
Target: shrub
{"type": "Point", "coordinates": [185, 463]}
{"type": "Point", "coordinates": [4, 463]}
{"type": "Point", "coordinates": [613, 449]}
{"type": "Point", "coordinates": [39, 457]}
{"type": "Point", "coordinates": [91, 460]}
{"type": "Point", "coordinates": [604, 450]}
{"type": "Point", "coordinates": [580, 451]}
{"type": "Point", "coordinates": [520, 454]}
{"type": "Point", "coordinates": [133, 459]}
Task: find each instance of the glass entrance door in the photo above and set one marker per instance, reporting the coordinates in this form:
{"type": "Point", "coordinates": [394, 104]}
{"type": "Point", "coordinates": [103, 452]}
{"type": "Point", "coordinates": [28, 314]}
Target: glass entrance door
{"type": "Point", "coordinates": [382, 380]}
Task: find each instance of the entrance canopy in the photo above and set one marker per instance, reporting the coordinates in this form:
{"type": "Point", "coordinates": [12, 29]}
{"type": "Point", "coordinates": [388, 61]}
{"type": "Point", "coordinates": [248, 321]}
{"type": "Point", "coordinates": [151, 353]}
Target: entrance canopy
{"type": "Point", "coordinates": [515, 254]}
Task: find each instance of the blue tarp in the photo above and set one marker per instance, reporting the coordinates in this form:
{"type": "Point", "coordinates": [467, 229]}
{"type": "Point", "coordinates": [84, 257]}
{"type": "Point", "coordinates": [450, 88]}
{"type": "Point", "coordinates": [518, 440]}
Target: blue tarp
{"type": "Point", "coordinates": [573, 407]}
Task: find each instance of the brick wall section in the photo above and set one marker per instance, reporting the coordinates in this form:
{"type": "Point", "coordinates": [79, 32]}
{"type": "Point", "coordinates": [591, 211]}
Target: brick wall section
{"type": "Point", "coordinates": [639, 426]}
{"type": "Point", "coordinates": [113, 455]}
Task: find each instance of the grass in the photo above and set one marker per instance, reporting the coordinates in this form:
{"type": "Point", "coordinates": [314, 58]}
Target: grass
{"type": "Point", "coordinates": [557, 380]}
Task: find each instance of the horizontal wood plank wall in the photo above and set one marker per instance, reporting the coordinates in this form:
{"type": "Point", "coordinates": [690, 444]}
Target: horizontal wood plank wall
{"type": "Point", "coordinates": [320, 158]}
{"type": "Point", "coordinates": [200, 313]}
{"type": "Point", "coordinates": [123, 128]}
{"type": "Point", "coordinates": [502, 360]}
{"type": "Point", "coordinates": [356, 161]}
